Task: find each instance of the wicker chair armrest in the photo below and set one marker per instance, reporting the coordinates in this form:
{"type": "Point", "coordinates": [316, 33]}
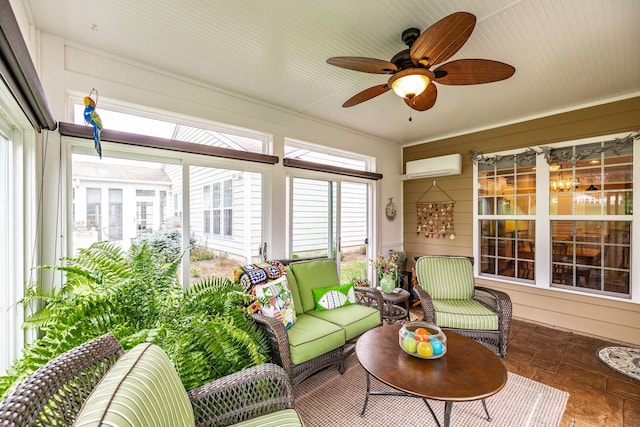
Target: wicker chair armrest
{"type": "Point", "coordinates": [498, 301]}
{"type": "Point", "coordinates": [54, 394]}
{"type": "Point", "coordinates": [371, 297]}
{"type": "Point", "coordinates": [243, 395]}
{"type": "Point", "coordinates": [277, 335]}
{"type": "Point", "coordinates": [429, 314]}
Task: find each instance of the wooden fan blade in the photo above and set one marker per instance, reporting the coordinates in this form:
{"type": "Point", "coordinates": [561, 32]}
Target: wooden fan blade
{"type": "Point", "coordinates": [473, 72]}
{"type": "Point", "coordinates": [425, 100]}
{"type": "Point", "coordinates": [366, 95]}
{"type": "Point", "coordinates": [444, 38]}
{"type": "Point", "coordinates": [366, 65]}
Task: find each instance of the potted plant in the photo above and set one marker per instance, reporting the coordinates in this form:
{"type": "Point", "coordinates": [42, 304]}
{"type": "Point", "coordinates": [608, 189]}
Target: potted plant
{"type": "Point", "coordinates": [387, 271]}
{"type": "Point", "coordinates": [137, 297]}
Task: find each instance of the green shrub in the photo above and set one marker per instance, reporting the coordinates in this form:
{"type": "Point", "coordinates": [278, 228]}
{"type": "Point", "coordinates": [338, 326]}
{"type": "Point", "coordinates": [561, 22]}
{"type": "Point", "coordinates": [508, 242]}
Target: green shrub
{"type": "Point", "coordinates": [200, 253]}
{"type": "Point", "coordinates": [138, 298]}
{"type": "Point", "coordinates": [165, 242]}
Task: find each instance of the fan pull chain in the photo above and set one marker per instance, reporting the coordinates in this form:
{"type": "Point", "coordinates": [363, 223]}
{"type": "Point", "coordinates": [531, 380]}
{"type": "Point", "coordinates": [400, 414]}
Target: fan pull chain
{"type": "Point", "coordinates": [410, 119]}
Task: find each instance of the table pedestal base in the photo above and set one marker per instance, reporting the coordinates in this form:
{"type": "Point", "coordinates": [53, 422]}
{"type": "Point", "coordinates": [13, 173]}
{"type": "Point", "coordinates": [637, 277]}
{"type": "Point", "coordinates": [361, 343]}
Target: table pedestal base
{"type": "Point", "coordinates": [447, 405]}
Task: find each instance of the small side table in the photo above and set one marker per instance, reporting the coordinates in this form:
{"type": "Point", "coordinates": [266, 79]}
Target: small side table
{"type": "Point", "coordinates": [392, 309]}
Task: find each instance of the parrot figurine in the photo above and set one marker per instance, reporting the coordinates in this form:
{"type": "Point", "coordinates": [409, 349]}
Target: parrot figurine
{"type": "Point", "coordinates": [92, 118]}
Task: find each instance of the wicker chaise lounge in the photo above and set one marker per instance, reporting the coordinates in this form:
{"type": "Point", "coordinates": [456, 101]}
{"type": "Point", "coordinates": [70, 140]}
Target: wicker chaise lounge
{"type": "Point", "coordinates": [55, 394]}
{"type": "Point", "coordinates": [449, 298]}
{"type": "Point", "coordinates": [319, 339]}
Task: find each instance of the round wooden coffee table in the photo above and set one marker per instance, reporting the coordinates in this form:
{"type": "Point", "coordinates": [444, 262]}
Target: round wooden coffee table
{"type": "Point", "coordinates": [468, 371]}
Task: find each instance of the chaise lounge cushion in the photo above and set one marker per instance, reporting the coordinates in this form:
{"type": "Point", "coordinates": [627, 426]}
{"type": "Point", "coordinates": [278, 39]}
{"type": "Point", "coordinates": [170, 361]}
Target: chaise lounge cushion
{"type": "Point", "coordinates": [142, 389]}
{"type": "Point", "coordinates": [311, 337]}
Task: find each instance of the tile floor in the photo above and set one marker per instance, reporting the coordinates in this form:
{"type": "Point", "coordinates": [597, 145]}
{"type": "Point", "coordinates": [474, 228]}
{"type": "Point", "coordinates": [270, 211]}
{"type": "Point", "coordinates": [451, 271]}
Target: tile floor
{"type": "Point", "coordinates": [598, 395]}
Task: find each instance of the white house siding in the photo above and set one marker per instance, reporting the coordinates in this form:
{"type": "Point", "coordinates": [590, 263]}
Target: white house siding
{"type": "Point", "coordinates": [247, 212]}
{"type": "Point", "coordinates": [354, 214]}
{"type": "Point", "coordinates": [311, 217]}
{"type": "Point", "coordinates": [174, 172]}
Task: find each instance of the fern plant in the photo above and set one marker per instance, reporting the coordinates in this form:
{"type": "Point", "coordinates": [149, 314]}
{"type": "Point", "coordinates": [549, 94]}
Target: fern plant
{"type": "Point", "coordinates": [136, 296]}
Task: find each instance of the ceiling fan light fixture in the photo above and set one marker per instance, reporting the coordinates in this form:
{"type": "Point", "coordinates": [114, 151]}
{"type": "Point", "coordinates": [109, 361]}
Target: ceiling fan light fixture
{"type": "Point", "coordinates": [411, 82]}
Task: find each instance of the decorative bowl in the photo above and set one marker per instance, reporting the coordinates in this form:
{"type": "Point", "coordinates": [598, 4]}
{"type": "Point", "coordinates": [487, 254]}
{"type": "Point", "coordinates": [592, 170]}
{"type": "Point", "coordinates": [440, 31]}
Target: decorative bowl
{"type": "Point", "coordinates": [423, 340]}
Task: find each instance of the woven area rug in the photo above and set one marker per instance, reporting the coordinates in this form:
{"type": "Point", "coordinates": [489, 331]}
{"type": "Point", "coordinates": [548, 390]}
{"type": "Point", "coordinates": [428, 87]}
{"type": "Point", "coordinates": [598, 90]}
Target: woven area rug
{"type": "Point", "coordinates": [625, 360]}
{"type": "Point", "coordinates": [331, 399]}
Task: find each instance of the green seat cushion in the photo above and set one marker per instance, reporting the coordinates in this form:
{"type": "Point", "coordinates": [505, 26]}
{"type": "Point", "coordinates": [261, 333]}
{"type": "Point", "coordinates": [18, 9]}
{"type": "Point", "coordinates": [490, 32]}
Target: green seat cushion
{"type": "Point", "coordinates": [311, 337]}
{"type": "Point", "coordinates": [445, 277]}
{"type": "Point", "coordinates": [313, 274]}
{"type": "Point", "coordinates": [141, 389]}
{"type": "Point", "coordinates": [283, 418]}
{"type": "Point", "coordinates": [354, 319]}
{"type": "Point", "coordinates": [464, 314]}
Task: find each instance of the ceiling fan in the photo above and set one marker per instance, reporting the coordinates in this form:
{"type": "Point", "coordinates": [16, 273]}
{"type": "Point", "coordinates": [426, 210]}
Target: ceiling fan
{"type": "Point", "coordinates": [411, 76]}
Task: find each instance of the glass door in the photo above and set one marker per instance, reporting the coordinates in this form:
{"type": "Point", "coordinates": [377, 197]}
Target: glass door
{"type": "Point", "coordinates": [329, 219]}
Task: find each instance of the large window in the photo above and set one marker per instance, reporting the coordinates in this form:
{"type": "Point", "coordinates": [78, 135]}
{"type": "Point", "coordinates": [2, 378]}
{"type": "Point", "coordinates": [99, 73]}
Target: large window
{"type": "Point", "coordinates": [590, 207]}
{"type": "Point", "coordinates": [506, 212]}
{"type": "Point", "coordinates": [559, 216]}
{"type": "Point", "coordinates": [18, 220]}
{"type": "Point", "coordinates": [218, 208]}
{"type": "Point", "coordinates": [138, 194]}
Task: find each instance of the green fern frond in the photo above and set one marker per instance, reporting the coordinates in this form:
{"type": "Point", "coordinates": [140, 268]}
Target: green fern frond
{"type": "Point", "coordinates": [137, 296]}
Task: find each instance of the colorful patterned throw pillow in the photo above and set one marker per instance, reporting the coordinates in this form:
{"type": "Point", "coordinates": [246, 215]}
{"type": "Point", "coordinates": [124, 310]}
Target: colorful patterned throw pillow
{"type": "Point", "coordinates": [334, 296]}
{"type": "Point", "coordinates": [252, 275]}
{"type": "Point", "coordinates": [276, 301]}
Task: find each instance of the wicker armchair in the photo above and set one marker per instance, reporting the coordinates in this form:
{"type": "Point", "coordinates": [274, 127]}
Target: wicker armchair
{"type": "Point", "coordinates": [54, 395]}
{"type": "Point", "coordinates": [449, 298]}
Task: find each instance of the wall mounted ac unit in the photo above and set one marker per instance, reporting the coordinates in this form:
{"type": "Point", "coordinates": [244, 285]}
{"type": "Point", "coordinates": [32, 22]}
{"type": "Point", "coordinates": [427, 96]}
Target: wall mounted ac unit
{"type": "Point", "coordinates": [435, 166]}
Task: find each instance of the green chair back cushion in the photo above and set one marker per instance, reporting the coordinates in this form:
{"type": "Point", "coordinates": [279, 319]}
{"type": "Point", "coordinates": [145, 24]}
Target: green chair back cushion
{"type": "Point", "coordinates": [295, 293]}
{"type": "Point", "coordinates": [142, 389]}
{"type": "Point", "coordinates": [445, 277]}
{"type": "Point", "coordinates": [313, 274]}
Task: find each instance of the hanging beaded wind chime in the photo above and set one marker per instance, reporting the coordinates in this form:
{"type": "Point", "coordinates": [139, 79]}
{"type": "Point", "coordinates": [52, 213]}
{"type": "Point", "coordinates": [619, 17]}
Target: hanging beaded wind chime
{"type": "Point", "coordinates": [435, 218]}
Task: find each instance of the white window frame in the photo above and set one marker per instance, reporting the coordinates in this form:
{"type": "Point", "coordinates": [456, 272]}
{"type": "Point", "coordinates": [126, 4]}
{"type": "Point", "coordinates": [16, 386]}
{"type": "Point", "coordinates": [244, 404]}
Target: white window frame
{"type": "Point", "coordinates": [543, 224]}
{"type": "Point", "coordinates": [18, 223]}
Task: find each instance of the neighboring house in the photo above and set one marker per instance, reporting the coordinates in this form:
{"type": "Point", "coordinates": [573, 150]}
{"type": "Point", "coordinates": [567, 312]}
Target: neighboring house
{"type": "Point", "coordinates": [117, 202]}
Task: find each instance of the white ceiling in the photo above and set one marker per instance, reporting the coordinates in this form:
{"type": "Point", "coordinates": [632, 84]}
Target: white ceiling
{"type": "Point", "coordinates": [567, 53]}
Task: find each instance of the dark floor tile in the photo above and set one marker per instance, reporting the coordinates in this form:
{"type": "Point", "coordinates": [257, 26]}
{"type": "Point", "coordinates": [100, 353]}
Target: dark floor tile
{"type": "Point", "coordinates": [579, 377]}
{"type": "Point", "coordinates": [586, 404]}
{"type": "Point", "coordinates": [521, 368]}
{"type": "Point", "coordinates": [586, 359]}
{"type": "Point", "coordinates": [625, 388]}
{"type": "Point", "coordinates": [631, 413]}
{"type": "Point", "coordinates": [550, 356]}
